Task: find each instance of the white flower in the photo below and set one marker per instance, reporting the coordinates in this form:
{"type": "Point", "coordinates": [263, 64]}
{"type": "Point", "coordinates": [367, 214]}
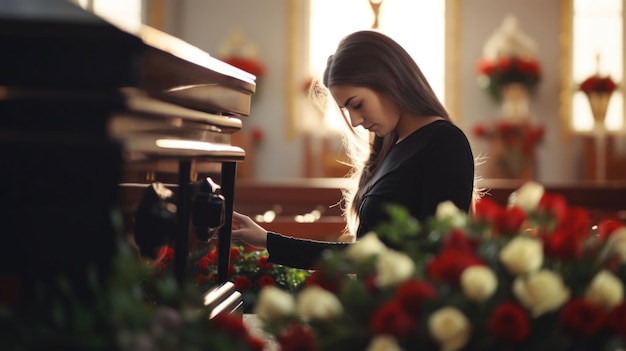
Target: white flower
{"type": "Point", "coordinates": [274, 303]}
{"type": "Point", "coordinates": [383, 343]}
{"type": "Point", "coordinates": [541, 291]}
{"type": "Point", "coordinates": [315, 302]}
{"type": "Point", "coordinates": [447, 210]}
{"type": "Point", "coordinates": [365, 247]}
{"type": "Point", "coordinates": [393, 268]}
{"type": "Point", "coordinates": [450, 328]}
{"type": "Point", "coordinates": [478, 282]}
{"type": "Point", "coordinates": [617, 243]}
{"type": "Point", "coordinates": [527, 197]}
{"type": "Point", "coordinates": [522, 255]}
{"type": "Point", "coordinates": [605, 290]}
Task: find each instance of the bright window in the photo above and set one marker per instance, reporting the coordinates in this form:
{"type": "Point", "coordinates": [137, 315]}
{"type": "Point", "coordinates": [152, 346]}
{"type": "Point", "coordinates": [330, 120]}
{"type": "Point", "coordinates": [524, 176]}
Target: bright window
{"type": "Point", "coordinates": [404, 21]}
{"type": "Point", "coordinates": [597, 32]}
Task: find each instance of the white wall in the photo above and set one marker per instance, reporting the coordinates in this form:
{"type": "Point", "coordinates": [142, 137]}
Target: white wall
{"type": "Point", "coordinates": [206, 23]}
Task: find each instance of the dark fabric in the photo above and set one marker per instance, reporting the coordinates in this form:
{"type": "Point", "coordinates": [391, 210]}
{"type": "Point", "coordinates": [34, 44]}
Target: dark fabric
{"type": "Point", "coordinates": [295, 252]}
{"type": "Point", "coordinates": [432, 165]}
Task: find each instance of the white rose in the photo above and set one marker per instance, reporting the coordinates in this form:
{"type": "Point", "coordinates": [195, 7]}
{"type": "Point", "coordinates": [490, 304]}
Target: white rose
{"type": "Point", "coordinates": [605, 290]}
{"type": "Point", "coordinates": [447, 210]}
{"type": "Point", "coordinates": [617, 243]}
{"type": "Point", "coordinates": [478, 282]}
{"type": "Point", "coordinates": [541, 291]}
{"type": "Point", "coordinates": [527, 197]}
{"type": "Point", "coordinates": [522, 255]}
{"type": "Point", "coordinates": [393, 268]}
{"type": "Point", "coordinates": [450, 328]}
{"type": "Point", "coordinates": [315, 302]}
{"type": "Point", "coordinates": [365, 247]}
{"type": "Point", "coordinates": [383, 343]}
{"type": "Point", "coordinates": [274, 303]}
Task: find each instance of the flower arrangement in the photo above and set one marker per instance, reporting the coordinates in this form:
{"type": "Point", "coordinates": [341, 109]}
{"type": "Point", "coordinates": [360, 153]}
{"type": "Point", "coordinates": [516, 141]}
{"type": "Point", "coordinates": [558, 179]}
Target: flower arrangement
{"type": "Point", "coordinates": [249, 65]}
{"type": "Point", "coordinates": [120, 314]}
{"type": "Point", "coordinates": [494, 74]}
{"type": "Point", "coordinates": [597, 84]}
{"type": "Point", "coordinates": [533, 275]}
{"type": "Point", "coordinates": [508, 58]}
{"type": "Point", "coordinates": [518, 140]}
{"type": "Point", "coordinates": [249, 271]}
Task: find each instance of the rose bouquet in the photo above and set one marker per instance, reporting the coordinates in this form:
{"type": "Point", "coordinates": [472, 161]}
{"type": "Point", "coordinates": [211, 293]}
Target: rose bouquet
{"type": "Point", "coordinates": [249, 271]}
{"type": "Point", "coordinates": [534, 275]}
{"type": "Point", "coordinates": [494, 74]}
{"type": "Point", "coordinates": [597, 84]}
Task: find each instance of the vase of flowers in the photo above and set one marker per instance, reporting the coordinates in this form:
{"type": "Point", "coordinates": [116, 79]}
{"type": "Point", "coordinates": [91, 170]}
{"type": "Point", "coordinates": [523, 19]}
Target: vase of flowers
{"type": "Point", "coordinates": [537, 275]}
{"type": "Point", "coordinates": [598, 90]}
{"type": "Point", "coordinates": [508, 69]}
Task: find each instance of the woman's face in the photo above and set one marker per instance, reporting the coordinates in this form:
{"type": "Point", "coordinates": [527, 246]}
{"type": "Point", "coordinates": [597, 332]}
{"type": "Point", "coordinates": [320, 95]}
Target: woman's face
{"type": "Point", "coordinates": [365, 107]}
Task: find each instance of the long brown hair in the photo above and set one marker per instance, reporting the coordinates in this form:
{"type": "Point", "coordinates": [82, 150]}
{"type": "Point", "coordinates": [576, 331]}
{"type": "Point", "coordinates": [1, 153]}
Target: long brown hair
{"type": "Point", "coordinates": [373, 60]}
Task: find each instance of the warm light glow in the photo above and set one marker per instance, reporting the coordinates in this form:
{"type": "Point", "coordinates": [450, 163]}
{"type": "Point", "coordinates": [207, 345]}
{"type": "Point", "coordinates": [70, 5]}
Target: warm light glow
{"type": "Point", "coordinates": [597, 30]}
{"type": "Point", "coordinates": [191, 145]}
{"type": "Point", "coordinates": [331, 20]}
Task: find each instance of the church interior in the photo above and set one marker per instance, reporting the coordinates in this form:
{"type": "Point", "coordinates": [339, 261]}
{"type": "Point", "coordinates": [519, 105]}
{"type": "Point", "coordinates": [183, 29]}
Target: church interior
{"type": "Point", "coordinates": [155, 120]}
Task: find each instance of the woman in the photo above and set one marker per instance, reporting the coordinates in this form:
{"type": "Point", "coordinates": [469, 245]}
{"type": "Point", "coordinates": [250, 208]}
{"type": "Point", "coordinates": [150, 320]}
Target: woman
{"type": "Point", "coordinates": [417, 158]}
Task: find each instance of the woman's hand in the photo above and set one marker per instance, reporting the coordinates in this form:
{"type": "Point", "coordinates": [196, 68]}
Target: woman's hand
{"type": "Point", "coordinates": [248, 231]}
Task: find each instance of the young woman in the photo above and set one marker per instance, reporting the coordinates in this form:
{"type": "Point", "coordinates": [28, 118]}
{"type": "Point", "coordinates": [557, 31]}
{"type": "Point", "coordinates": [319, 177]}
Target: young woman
{"type": "Point", "coordinates": [418, 158]}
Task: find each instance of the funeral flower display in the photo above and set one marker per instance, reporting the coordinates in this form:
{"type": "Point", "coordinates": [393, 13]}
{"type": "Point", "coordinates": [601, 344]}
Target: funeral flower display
{"type": "Point", "coordinates": [249, 271]}
{"type": "Point", "coordinates": [537, 274]}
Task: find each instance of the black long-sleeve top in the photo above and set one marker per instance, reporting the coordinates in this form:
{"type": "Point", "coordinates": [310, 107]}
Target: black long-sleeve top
{"type": "Point", "coordinates": [432, 165]}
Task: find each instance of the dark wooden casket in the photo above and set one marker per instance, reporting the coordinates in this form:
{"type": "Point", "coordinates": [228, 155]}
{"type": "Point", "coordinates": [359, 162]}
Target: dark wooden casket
{"type": "Point", "coordinates": [91, 113]}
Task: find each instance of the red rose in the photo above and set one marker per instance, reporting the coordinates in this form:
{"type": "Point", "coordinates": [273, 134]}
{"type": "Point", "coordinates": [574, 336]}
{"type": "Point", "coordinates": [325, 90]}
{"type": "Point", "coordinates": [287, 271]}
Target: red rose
{"type": "Point", "coordinates": [563, 244]}
{"type": "Point", "coordinates": [391, 318]}
{"type": "Point", "coordinates": [231, 271]}
{"type": "Point", "coordinates": [553, 205]}
{"type": "Point", "coordinates": [263, 264]}
{"type": "Point", "coordinates": [255, 344]}
{"type": "Point", "coordinates": [459, 241]}
{"type": "Point", "coordinates": [165, 254]}
{"type": "Point", "coordinates": [509, 221]}
{"type": "Point", "coordinates": [297, 338]}
{"type": "Point", "coordinates": [235, 254]}
{"type": "Point", "coordinates": [230, 324]}
{"type": "Point", "coordinates": [329, 280]}
{"type": "Point", "coordinates": [201, 279]}
{"type": "Point", "coordinates": [616, 320]}
{"type": "Point", "coordinates": [212, 256]}
{"type": "Point", "coordinates": [448, 266]}
{"type": "Point", "coordinates": [243, 283]}
{"type": "Point", "coordinates": [203, 264]}
{"type": "Point", "coordinates": [412, 294]}
{"type": "Point", "coordinates": [607, 227]}
{"type": "Point", "coordinates": [486, 210]}
{"type": "Point", "coordinates": [159, 267]}
{"type": "Point", "coordinates": [266, 280]}
{"type": "Point", "coordinates": [509, 323]}
{"type": "Point", "coordinates": [581, 318]}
